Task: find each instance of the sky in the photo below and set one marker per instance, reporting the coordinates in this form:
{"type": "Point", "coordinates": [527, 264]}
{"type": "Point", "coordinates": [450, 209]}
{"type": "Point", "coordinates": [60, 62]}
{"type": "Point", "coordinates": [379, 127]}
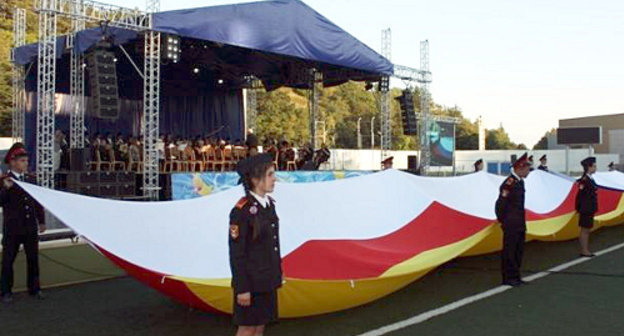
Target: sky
{"type": "Point", "coordinates": [520, 64]}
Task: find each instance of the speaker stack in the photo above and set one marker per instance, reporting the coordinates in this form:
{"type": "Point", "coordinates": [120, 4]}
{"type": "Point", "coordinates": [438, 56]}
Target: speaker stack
{"type": "Point", "coordinates": [102, 184]}
{"type": "Point", "coordinates": [103, 81]}
{"type": "Point", "coordinates": [408, 116]}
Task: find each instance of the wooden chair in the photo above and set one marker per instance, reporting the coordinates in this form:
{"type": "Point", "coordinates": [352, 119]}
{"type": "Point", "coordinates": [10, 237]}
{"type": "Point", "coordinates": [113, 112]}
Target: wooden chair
{"type": "Point", "coordinates": [219, 160]}
{"type": "Point", "coordinates": [276, 160]}
{"type": "Point", "coordinates": [195, 165]}
{"type": "Point", "coordinates": [208, 155]}
{"type": "Point", "coordinates": [133, 165]}
{"type": "Point", "coordinates": [97, 164]}
{"type": "Point", "coordinates": [113, 164]}
{"type": "Point", "coordinates": [291, 165]}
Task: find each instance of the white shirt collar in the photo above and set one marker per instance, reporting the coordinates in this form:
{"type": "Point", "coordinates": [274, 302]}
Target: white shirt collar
{"type": "Point", "coordinates": [516, 175]}
{"type": "Point", "coordinates": [19, 176]}
{"type": "Point", "coordinates": [264, 201]}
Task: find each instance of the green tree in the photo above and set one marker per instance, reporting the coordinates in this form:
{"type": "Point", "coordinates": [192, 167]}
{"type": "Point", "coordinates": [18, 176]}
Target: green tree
{"type": "Point", "coordinates": [278, 117]}
{"type": "Point", "coordinates": [543, 142]}
{"type": "Point", "coordinates": [498, 139]}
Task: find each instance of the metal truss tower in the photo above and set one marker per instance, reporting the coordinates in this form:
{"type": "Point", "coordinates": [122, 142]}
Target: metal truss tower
{"type": "Point", "coordinates": [19, 90]}
{"type": "Point", "coordinates": [151, 105]}
{"type": "Point", "coordinates": [384, 101]}
{"type": "Point", "coordinates": [425, 144]}
{"type": "Point", "coordinates": [77, 82]}
{"type": "Point", "coordinates": [315, 85]}
{"type": "Point", "coordinates": [81, 11]}
{"type": "Point", "coordinates": [46, 76]}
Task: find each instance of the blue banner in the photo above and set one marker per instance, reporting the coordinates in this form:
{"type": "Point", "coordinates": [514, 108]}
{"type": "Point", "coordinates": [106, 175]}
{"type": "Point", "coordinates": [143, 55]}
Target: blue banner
{"type": "Point", "coordinates": [190, 185]}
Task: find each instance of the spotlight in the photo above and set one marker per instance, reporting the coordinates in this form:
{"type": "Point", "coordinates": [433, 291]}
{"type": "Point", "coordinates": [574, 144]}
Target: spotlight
{"type": "Point", "coordinates": [220, 81]}
{"type": "Point", "coordinates": [196, 70]}
{"type": "Point", "coordinates": [115, 59]}
{"type": "Point", "coordinates": [171, 48]}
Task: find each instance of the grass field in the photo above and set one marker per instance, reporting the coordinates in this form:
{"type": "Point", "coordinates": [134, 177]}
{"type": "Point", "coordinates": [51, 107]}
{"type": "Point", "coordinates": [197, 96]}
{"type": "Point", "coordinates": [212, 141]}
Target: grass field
{"type": "Point", "coordinates": [587, 299]}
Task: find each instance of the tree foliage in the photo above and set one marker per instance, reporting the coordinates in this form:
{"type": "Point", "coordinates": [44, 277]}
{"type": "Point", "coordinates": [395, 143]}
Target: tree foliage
{"type": "Point", "coordinates": [543, 142]}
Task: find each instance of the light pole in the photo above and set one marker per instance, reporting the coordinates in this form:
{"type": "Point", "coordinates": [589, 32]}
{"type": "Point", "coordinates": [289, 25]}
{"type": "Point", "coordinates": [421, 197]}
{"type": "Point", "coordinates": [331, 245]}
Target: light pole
{"type": "Point", "coordinates": [359, 134]}
{"type": "Point", "coordinates": [373, 133]}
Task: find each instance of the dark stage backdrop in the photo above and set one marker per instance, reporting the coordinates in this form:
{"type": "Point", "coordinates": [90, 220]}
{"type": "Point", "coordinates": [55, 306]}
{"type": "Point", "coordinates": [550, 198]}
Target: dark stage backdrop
{"type": "Point", "coordinates": [185, 116]}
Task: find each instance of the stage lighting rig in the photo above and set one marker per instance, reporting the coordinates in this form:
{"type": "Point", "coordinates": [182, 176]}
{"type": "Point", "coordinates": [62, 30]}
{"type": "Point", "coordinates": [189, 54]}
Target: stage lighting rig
{"type": "Point", "coordinates": [171, 48]}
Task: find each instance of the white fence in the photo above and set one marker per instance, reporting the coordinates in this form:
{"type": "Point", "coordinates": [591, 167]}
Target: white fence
{"type": "Point", "coordinates": [367, 159]}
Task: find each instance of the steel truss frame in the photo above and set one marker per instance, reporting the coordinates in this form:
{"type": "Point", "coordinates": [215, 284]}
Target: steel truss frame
{"type": "Point", "coordinates": [19, 90]}
{"type": "Point", "coordinates": [81, 11]}
{"type": "Point", "coordinates": [315, 85]}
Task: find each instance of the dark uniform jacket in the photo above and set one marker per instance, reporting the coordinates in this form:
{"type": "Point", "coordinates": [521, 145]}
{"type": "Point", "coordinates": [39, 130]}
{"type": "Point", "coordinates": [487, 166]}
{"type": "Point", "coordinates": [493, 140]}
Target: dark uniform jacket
{"type": "Point", "coordinates": [255, 258]}
{"type": "Point", "coordinates": [587, 196]}
{"type": "Point", "coordinates": [510, 205]}
{"type": "Point", "coordinates": [20, 212]}
{"type": "Point", "coordinates": [542, 167]}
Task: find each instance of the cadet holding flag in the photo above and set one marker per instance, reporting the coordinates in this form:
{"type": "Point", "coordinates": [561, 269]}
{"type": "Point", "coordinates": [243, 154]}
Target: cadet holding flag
{"type": "Point", "coordinates": [23, 220]}
{"type": "Point", "coordinates": [586, 204]}
{"type": "Point", "coordinates": [510, 213]}
{"type": "Point", "coordinates": [255, 258]}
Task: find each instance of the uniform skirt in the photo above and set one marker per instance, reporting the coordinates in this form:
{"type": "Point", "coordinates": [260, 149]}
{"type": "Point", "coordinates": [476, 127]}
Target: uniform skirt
{"type": "Point", "coordinates": [262, 311]}
{"type": "Point", "coordinates": [586, 221]}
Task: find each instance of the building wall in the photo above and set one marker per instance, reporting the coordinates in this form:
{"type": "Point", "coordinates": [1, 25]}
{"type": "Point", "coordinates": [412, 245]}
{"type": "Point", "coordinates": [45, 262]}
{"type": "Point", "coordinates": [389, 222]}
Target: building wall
{"type": "Point", "coordinates": [607, 122]}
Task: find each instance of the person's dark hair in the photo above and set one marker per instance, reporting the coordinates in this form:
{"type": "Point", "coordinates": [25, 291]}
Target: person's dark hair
{"type": "Point", "coordinates": [250, 172]}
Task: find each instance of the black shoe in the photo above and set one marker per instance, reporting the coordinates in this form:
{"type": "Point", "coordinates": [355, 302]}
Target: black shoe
{"type": "Point", "coordinates": [591, 255]}
{"type": "Point", "coordinates": [7, 298]}
{"type": "Point", "coordinates": [513, 283]}
{"type": "Point", "coordinates": [39, 295]}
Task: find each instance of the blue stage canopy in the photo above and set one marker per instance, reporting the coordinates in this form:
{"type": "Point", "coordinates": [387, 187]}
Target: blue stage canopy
{"type": "Point", "coordinates": [266, 39]}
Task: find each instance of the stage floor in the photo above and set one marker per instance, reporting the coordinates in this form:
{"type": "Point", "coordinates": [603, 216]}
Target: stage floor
{"type": "Point", "coordinates": [583, 300]}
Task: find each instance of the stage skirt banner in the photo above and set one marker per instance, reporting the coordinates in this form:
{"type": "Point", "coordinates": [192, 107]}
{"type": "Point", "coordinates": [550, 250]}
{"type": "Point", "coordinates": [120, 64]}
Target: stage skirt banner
{"type": "Point", "coordinates": [344, 243]}
{"type": "Point", "coordinates": [192, 185]}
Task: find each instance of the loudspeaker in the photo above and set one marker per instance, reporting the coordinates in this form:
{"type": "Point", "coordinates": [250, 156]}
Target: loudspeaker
{"type": "Point", "coordinates": [514, 158]}
{"type": "Point", "coordinates": [103, 83]}
{"type": "Point", "coordinates": [78, 158]}
{"type": "Point", "coordinates": [408, 116]}
{"type": "Point", "coordinates": [412, 162]}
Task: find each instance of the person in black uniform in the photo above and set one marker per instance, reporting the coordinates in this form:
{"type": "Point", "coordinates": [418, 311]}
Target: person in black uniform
{"type": "Point", "coordinates": [543, 163]}
{"type": "Point", "coordinates": [478, 165]}
{"type": "Point", "coordinates": [510, 213]}
{"type": "Point", "coordinates": [22, 217]}
{"type": "Point", "coordinates": [255, 258]}
{"type": "Point", "coordinates": [586, 204]}
{"type": "Point", "coordinates": [530, 159]}
{"type": "Point", "coordinates": [611, 166]}
{"type": "Point", "coordinates": [388, 163]}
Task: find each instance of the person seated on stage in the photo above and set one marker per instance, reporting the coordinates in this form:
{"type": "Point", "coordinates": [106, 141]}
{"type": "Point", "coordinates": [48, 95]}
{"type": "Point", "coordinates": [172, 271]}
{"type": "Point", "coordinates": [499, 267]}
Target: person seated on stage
{"type": "Point", "coordinates": [189, 150]}
{"type": "Point", "coordinates": [197, 147]}
{"type": "Point", "coordinates": [306, 153]}
{"type": "Point", "coordinates": [252, 144]}
{"type": "Point", "coordinates": [478, 165]}
{"type": "Point", "coordinates": [106, 153]}
{"type": "Point", "coordinates": [543, 163]}
{"type": "Point", "coordinates": [134, 151]}
{"type": "Point", "coordinates": [270, 148]}
{"type": "Point", "coordinates": [387, 163]}
{"type": "Point", "coordinates": [612, 166]}
{"type": "Point", "coordinates": [283, 154]}
{"type": "Point", "coordinates": [109, 139]}
{"type": "Point", "coordinates": [531, 162]}
{"type": "Point", "coordinates": [119, 140]}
